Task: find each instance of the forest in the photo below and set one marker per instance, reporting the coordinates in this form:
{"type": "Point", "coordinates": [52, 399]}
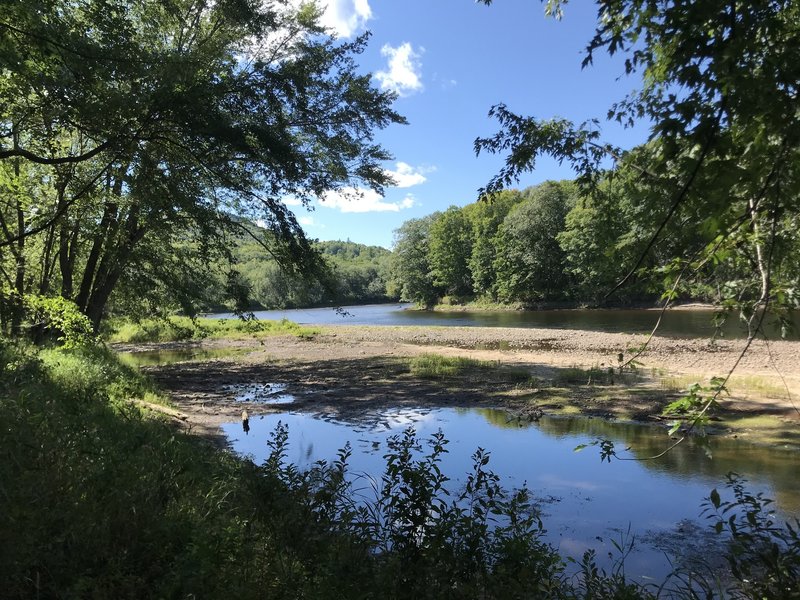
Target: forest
{"type": "Point", "coordinates": [349, 274]}
{"type": "Point", "coordinates": [550, 244]}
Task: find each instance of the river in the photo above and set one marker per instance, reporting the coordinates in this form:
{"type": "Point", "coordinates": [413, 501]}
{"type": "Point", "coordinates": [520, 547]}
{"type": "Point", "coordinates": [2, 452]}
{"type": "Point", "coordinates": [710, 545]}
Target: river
{"type": "Point", "coordinates": [692, 323]}
{"type": "Point", "coordinates": [585, 504]}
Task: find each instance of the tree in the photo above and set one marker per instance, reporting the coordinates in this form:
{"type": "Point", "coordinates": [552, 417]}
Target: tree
{"type": "Point", "coordinates": [486, 217]}
{"type": "Point", "coordinates": [530, 262]}
{"type": "Point", "coordinates": [450, 251]}
{"type": "Point", "coordinates": [411, 276]}
{"type": "Point", "coordinates": [591, 246]}
{"type": "Point", "coordinates": [154, 124]}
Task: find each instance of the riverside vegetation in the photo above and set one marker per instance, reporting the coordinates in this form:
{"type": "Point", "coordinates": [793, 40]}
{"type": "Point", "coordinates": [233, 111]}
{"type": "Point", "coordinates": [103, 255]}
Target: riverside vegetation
{"type": "Point", "coordinates": [85, 514]}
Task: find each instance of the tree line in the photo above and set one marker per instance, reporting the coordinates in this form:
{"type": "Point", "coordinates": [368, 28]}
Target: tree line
{"type": "Point", "coordinates": [557, 243]}
{"type": "Point", "coordinates": [351, 274]}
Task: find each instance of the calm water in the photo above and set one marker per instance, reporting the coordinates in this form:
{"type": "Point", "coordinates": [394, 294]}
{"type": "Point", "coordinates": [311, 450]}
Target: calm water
{"type": "Point", "coordinates": [683, 323]}
{"type": "Point", "coordinates": [586, 504]}
{"type": "Point", "coordinates": [150, 358]}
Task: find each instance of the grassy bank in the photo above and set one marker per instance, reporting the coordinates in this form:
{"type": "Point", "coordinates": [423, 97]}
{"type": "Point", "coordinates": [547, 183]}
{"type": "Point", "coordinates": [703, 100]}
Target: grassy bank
{"type": "Point", "coordinates": [101, 499]}
{"type": "Point", "coordinates": [174, 329]}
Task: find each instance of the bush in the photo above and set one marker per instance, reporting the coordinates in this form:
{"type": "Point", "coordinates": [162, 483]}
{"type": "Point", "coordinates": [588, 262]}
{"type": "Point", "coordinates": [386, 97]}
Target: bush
{"type": "Point", "coordinates": [57, 318]}
{"type": "Point", "coordinates": [764, 557]}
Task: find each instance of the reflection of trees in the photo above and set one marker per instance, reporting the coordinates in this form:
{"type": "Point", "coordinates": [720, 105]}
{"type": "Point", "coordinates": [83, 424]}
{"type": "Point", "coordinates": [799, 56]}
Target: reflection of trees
{"type": "Point", "coordinates": [774, 466]}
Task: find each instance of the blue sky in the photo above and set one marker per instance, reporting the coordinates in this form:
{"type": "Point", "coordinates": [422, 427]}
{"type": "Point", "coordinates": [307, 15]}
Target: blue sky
{"type": "Point", "coordinates": [450, 61]}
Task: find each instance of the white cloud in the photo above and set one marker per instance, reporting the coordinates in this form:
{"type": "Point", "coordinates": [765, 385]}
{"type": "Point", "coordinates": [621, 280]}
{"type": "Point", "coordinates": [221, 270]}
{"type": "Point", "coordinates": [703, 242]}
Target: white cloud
{"type": "Point", "coordinates": [403, 70]}
{"type": "Point", "coordinates": [359, 200]}
{"type": "Point", "coordinates": [405, 175]}
{"type": "Point", "coordinates": [291, 201]}
{"type": "Point", "coordinates": [306, 221]}
{"type": "Point", "coordinates": [408, 202]}
{"type": "Point", "coordinates": [345, 17]}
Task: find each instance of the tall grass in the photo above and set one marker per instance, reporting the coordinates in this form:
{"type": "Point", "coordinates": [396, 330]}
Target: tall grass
{"type": "Point", "coordinates": [436, 366]}
{"type": "Point", "coordinates": [173, 329]}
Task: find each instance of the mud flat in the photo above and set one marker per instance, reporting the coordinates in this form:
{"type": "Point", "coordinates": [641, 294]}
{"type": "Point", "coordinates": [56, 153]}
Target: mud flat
{"type": "Point", "coordinates": [349, 369]}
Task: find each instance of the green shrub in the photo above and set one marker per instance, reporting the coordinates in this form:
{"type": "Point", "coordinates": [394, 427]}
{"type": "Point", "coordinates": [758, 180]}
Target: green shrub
{"type": "Point", "coordinates": [58, 318]}
{"type": "Point", "coordinates": [764, 557]}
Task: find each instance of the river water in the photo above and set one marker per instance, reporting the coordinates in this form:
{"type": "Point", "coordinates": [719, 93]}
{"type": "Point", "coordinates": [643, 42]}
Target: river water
{"type": "Point", "coordinates": [676, 323]}
{"type": "Point", "coordinates": [585, 503]}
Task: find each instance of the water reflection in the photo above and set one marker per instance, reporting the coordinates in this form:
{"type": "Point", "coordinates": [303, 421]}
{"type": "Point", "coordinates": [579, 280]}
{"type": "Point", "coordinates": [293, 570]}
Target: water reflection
{"type": "Point", "coordinates": [245, 422]}
{"type": "Point", "coordinates": [595, 502]}
{"type": "Point", "coordinates": [777, 466]}
{"type": "Point", "coordinates": [262, 393]}
{"type": "Point", "coordinates": [152, 358]}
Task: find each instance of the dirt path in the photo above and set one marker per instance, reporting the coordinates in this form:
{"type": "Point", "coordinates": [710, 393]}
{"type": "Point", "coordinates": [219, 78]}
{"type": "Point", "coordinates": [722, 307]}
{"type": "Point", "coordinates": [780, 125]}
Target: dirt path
{"type": "Point", "coordinates": [356, 369]}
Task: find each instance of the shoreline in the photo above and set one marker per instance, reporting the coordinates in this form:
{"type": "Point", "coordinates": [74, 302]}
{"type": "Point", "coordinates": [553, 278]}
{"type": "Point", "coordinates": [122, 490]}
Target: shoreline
{"type": "Point", "coordinates": [352, 369]}
{"type": "Point", "coordinates": [555, 307]}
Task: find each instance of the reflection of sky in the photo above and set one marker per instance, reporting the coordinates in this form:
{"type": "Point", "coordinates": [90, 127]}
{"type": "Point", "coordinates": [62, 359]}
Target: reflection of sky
{"type": "Point", "coordinates": [263, 393]}
{"type": "Point", "coordinates": [596, 500]}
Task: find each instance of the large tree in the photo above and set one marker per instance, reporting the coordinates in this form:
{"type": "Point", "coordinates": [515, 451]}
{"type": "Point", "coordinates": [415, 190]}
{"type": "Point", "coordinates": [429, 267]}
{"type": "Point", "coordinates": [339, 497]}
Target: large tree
{"type": "Point", "coordinates": [129, 128]}
{"type": "Point", "coordinates": [411, 270]}
{"type": "Point", "coordinates": [449, 252]}
{"type": "Point", "coordinates": [486, 217]}
{"type": "Point", "coordinates": [529, 261]}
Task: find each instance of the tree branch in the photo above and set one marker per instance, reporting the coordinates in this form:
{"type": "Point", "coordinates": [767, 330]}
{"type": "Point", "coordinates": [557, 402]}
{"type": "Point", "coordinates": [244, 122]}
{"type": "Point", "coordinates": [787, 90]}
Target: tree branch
{"type": "Point", "coordinates": [20, 152]}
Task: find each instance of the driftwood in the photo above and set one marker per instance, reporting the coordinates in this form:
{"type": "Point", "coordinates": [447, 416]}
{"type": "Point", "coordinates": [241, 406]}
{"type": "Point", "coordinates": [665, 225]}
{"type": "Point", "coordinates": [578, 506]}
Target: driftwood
{"type": "Point", "coordinates": [165, 410]}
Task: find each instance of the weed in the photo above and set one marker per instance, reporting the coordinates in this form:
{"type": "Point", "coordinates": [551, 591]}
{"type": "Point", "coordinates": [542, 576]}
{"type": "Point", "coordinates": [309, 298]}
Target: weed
{"type": "Point", "coordinates": [183, 328]}
{"type": "Point", "coordinates": [764, 557]}
{"type": "Point", "coordinates": [436, 366]}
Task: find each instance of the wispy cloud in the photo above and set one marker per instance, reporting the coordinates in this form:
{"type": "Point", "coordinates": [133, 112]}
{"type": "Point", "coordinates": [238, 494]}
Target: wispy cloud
{"type": "Point", "coordinates": [307, 221]}
{"type": "Point", "coordinates": [405, 175]}
{"type": "Point", "coordinates": [291, 201]}
{"type": "Point", "coordinates": [404, 69]}
{"type": "Point", "coordinates": [359, 200]}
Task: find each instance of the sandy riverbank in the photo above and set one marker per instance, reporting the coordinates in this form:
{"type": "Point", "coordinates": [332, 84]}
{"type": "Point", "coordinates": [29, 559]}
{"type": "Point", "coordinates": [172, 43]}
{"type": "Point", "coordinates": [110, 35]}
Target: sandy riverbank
{"type": "Point", "coordinates": [355, 368]}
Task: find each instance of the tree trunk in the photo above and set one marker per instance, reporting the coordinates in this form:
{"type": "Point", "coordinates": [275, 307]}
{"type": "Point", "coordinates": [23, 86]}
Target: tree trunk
{"type": "Point", "coordinates": [67, 248]}
{"type": "Point", "coordinates": [100, 239]}
{"type": "Point", "coordinates": [112, 265]}
{"type": "Point", "coordinates": [19, 254]}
